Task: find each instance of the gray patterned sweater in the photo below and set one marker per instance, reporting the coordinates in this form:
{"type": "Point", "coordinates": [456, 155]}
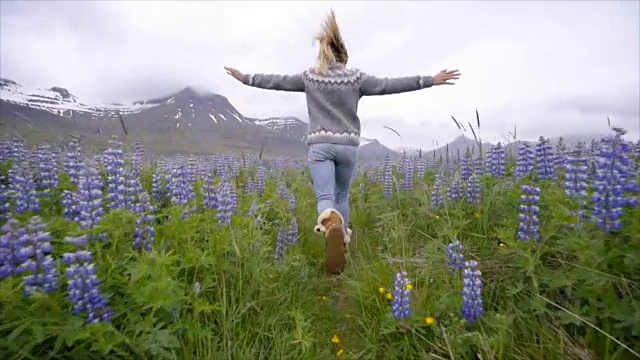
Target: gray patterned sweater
{"type": "Point", "coordinates": [332, 98]}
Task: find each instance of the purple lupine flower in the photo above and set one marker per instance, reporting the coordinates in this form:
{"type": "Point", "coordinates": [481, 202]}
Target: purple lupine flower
{"type": "Point", "coordinates": [144, 236]}
{"type": "Point", "coordinates": [612, 181]}
{"type": "Point", "coordinates": [47, 169]}
{"type": "Point", "coordinates": [235, 167]}
{"type": "Point", "coordinates": [5, 205]}
{"type": "Point", "coordinates": [465, 167]}
{"type": "Point", "coordinates": [473, 190]}
{"type": "Point", "coordinates": [18, 150]}
{"type": "Point", "coordinates": [83, 284]}
{"type": "Point", "coordinates": [291, 201]}
{"type": "Point", "coordinates": [285, 194]}
{"type": "Point", "coordinates": [575, 180]}
{"type": "Point", "coordinates": [13, 239]}
{"type": "Point", "coordinates": [455, 258]}
{"type": "Point", "coordinates": [560, 158]}
{"type": "Point", "coordinates": [455, 190]}
{"type": "Point", "coordinates": [524, 160]}
{"type": "Point", "coordinates": [281, 244]}
{"type": "Point", "coordinates": [401, 302]}
{"type": "Point", "coordinates": [260, 180]}
{"type": "Point", "coordinates": [77, 256]}
{"type": "Point", "coordinates": [528, 216]}
{"type": "Point", "coordinates": [139, 156]}
{"type": "Point", "coordinates": [480, 166]}
{"type": "Point", "coordinates": [472, 306]}
{"type": "Point", "coordinates": [23, 187]}
{"type": "Point", "coordinates": [70, 205]}
{"type": "Point", "coordinates": [250, 186]}
{"type": "Point", "coordinates": [5, 149]}
{"type": "Point", "coordinates": [180, 187]}
{"type": "Point", "coordinates": [437, 198]}
{"type": "Point", "coordinates": [37, 261]}
{"type": "Point", "coordinates": [387, 177]}
{"type": "Point", "coordinates": [89, 208]}
{"type": "Point", "coordinates": [132, 188]}
{"type": "Point", "coordinates": [116, 187]}
{"type": "Point", "coordinates": [228, 202]}
{"type": "Point", "coordinates": [282, 190]}
{"type": "Point", "coordinates": [191, 170]}
{"type": "Point", "coordinates": [73, 163]}
{"type": "Point", "coordinates": [421, 167]}
{"type": "Point", "coordinates": [160, 184]}
{"type": "Point", "coordinates": [403, 162]}
{"type": "Point", "coordinates": [408, 175]}
{"type": "Point", "coordinates": [292, 233]}
{"type": "Point", "coordinates": [545, 167]}
{"type": "Point", "coordinates": [209, 193]}
{"type": "Point", "coordinates": [497, 161]}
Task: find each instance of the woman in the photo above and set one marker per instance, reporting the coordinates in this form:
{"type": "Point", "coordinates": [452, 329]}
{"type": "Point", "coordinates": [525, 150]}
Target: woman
{"type": "Point", "coordinates": [333, 92]}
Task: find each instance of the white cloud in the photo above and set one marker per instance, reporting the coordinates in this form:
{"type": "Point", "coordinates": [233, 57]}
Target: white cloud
{"type": "Point", "coordinates": [531, 64]}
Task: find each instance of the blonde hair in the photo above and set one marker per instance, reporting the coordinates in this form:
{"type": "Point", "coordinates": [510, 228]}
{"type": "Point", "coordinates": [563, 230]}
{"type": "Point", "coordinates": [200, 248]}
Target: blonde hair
{"type": "Point", "coordinates": [332, 47]}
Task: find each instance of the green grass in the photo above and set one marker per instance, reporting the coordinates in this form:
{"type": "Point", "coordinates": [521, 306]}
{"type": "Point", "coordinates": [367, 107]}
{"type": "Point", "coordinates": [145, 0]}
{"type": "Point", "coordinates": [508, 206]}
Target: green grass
{"type": "Point", "coordinates": [178, 142]}
{"type": "Point", "coordinates": [574, 295]}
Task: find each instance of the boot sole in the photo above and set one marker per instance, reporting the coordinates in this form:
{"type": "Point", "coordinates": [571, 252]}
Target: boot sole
{"type": "Point", "coordinates": [335, 250]}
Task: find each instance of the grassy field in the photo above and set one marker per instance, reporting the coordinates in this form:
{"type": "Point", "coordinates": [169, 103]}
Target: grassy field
{"type": "Point", "coordinates": [169, 144]}
{"type": "Point", "coordinates": [254, 288]}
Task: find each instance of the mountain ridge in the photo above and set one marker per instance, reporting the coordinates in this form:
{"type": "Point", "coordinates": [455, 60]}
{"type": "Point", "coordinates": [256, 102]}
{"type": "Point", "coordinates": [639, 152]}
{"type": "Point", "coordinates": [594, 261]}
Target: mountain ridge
{"type": "Point", "coordinates": [187, 119]}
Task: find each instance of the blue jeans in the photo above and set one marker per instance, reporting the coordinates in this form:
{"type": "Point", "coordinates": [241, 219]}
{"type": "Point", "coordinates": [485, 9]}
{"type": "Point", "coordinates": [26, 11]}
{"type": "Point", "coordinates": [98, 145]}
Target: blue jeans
{"type": "Point", "coordinates": [332, 168]}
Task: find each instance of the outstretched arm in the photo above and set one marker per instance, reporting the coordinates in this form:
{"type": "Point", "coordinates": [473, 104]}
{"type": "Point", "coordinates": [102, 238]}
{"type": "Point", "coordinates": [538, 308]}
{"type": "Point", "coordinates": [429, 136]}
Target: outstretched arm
{"type": "Point", "coordinates": [275, 82]}
{"type": "Point", "coordinates": [372, 85]}
{"type": "Point", "coordinates": [269, 82]}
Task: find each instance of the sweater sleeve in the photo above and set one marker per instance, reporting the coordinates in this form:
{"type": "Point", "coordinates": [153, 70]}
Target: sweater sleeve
{"type": "Point", "coordinates": [275, 82]}
{"type": "Point", "coordinates": [372, 85]}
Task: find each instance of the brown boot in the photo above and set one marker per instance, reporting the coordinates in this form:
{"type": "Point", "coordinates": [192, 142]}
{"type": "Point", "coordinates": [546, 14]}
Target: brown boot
{"type": "Point", "coordinates": [331, 224]}
{"type": "Point", "coordinates": [334, 259]}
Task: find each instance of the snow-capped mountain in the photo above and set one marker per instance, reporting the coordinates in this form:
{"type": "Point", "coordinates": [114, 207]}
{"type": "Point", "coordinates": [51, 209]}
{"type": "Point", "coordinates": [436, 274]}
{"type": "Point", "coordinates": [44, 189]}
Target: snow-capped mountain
{"type": "Point", "coordinates": [206, 121]}
{"type": "Point", "coordinates": [187, 119]}
{"type": "Point", "coordinates": [291, 126]}
{"type": "Point", "coordinates": [59, 101]}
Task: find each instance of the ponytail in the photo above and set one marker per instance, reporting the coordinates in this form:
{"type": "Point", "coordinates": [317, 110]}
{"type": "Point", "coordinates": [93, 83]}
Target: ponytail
{"type": "Point", "coordinates": [332, 48]}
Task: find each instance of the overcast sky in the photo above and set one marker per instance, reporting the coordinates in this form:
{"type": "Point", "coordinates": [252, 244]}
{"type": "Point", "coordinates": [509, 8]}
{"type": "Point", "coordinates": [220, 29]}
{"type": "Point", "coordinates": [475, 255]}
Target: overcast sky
{"type": "Point", "coordinates": [551, 68]}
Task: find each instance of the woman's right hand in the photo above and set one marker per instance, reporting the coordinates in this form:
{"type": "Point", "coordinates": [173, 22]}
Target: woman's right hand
{"type": "Point", "coordinates": [235, 73]}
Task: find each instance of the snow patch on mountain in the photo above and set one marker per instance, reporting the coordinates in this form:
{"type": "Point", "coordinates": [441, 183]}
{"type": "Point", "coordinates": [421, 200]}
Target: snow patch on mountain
{"type": "Point", "coordinates": [59, 101]}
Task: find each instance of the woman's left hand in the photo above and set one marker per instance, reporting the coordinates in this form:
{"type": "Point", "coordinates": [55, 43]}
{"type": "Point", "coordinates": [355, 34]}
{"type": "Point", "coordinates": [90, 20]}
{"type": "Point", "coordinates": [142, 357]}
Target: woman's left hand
{"type": "Point", "coordinates": [443, 77]}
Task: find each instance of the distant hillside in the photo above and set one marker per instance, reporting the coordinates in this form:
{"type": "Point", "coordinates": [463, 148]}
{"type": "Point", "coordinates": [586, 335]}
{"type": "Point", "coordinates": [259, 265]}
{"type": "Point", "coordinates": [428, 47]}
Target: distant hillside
{"type": "Point", "coordinates": [185, 121]}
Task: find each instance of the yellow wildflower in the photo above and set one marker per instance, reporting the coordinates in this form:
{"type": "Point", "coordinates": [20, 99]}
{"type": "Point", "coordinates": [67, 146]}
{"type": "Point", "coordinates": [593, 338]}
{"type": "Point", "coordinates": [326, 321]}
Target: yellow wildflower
{"type": "Point", "coordinates": [340, 352]}
{"type": "Point", "coordinates": [429, 320]}
{"type": "Point", "coordinates": [437, 217]}
{"type": "Point", "coordinates": [323, 297]}
{"type": "Point", "coordinates": [335, 339]}
{"type": "Point", "coordinates": [502, 244]}
{"type": "Point", "coordinates": [478, 216]}
{"type": "Point", "coordinates": [381, 290]}
{"type": "Point", "coordinates": [389, 296]}
{"type": "Point", "coordinates": [409, 286]}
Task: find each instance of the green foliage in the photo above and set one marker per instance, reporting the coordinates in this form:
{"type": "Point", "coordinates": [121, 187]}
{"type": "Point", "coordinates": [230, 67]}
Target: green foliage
{"type": "Point", "coordinates": [575, 295]}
